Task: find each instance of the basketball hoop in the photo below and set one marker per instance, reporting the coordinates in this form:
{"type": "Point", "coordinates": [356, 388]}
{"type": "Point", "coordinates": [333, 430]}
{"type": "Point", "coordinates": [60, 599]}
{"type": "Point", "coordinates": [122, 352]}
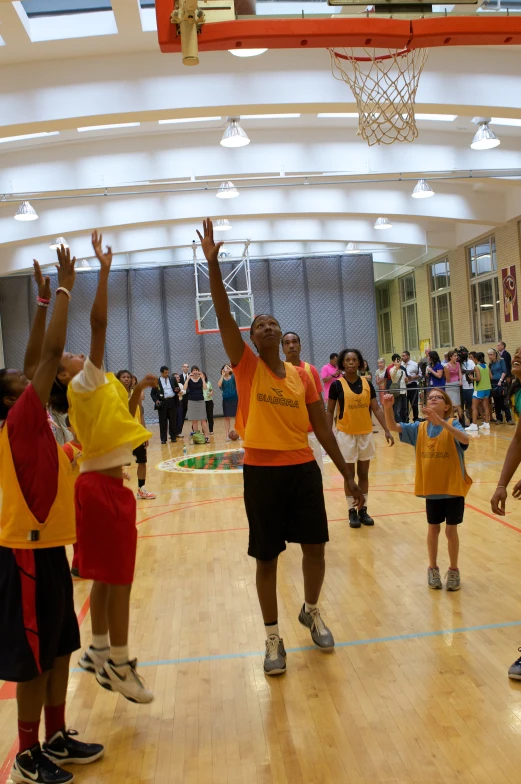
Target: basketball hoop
{"type": "Point", "coordinates": [384, 87]}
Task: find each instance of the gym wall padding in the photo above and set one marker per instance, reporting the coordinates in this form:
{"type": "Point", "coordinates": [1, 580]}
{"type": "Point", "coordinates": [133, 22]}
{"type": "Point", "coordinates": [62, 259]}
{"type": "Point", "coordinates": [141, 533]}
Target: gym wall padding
{"type": "Point", "coordinates": [328, 300]}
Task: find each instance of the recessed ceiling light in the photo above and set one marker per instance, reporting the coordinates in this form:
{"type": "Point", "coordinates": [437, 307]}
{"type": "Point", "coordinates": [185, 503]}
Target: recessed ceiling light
{"type": "Point", "coordinates": [484, 138]}
{"type": "Point", "coordinates": [247, 52]}
{"type": "Point", "coordinates": [436, 117]}
{"type": "Point", "coordinates": [506, 121]}
{"type": "Point", "coordinates": [222, 225]}
{"type": "Point", "coordinates": [189, 120]}
{"type": "Point", "coordinates": [28, 136]}
{"type": "Point", "coordinates": [58, 242]}
{"type": "Point", "coordinates": [25, 212]}
{"type": "Point", "coordinates": [383, 223]}
{"type": "Point", "coordinates": [107, 127]}
{"type": "Point", "coordinates": [422, 190]}
{"type": "Point", "coordinates": [234, 135]}
{"type": "Point", "coordinates": [227, 190]}
{"type": "Point", "coordinates": [338, 114]}
{"type": "Point", "coordinates": [267, 116]}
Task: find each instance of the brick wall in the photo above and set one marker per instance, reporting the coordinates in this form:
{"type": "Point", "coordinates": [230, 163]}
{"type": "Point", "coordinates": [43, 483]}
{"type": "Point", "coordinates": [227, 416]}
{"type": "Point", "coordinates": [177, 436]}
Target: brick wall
{"type": "Point", "coordinates": [508, 251]}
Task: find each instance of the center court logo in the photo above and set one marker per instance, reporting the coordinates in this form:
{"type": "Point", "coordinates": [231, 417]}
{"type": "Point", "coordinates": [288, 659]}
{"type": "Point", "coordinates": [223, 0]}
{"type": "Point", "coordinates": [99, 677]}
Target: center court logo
{"type": "Point", "coordinates": [277, 399]}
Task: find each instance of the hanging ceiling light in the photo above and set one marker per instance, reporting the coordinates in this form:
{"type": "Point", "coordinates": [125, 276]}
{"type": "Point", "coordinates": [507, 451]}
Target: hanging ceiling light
{"type": "Point", "coordinates": [383, 223]}
{"type": "Point", "coordinates": [227, 190]}
{"type": "Point", "coordinates": [83, 266]}
{"type": "Point", "coordinates": [352, 247]}
{"type": "Point", "coordinates": [422, 190]}
{"type": "Point", "coordinates": [25, 212]}
{"type": "Point", "coordinates": [58, 242]}
{"type": "Point", "coordinates": [247, 52]}
{"type": "Point", "coordinates": [222, 225]}
{"type": "Point", "coordinates": [234, 135]}
{"type": "Point", "coordinates": [484, 138]}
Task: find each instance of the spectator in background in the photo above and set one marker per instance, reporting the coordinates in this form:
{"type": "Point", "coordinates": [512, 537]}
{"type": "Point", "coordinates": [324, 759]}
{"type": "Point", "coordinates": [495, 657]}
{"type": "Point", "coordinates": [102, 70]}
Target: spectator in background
{"type": "Point", "coordinates": [380, 378]}
{"type": "Point", "coordinates": [134, 382]}
{"type": "Point", "coordinates": [185, 372]}
{"type": "Point", "coordinates": [505, 356]}
{"type": "Point", "coordinates": [196, 409]}
{"type": "Point", "coordinates": [498, 374]}
{"type": "Point", "coordinates": [365, 371]}
{"type": "Point", "coordinates": [453, 379]}
{"type": "Point", "coordinates": [481, 396]}
{"type": "Point", "coordinates": [330, 373]}
{"type": "Point", "coordinates": [398, 388]}
{"type": "Point", "coordinates": [445, 359]}
{"type": "Point", "coordinates": [165, 403]}
{"type": "Point", "coordinates": [467, 366]}
{"type": "Point", "coordinates": [411, 381]}
{"type": "Point", "coordinates": [208, 401]}
{"type": "Point", "coordinates": [180, 411]}
{"type": "Point", "coordinates": [230, 398]}
{"type": "Point", "coordinates": [434, 371]}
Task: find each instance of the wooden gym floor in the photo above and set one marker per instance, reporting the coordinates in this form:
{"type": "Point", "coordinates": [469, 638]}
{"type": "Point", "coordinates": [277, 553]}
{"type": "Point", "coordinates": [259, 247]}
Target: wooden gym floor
{"type": "Point", "coordinates": [416, 689]}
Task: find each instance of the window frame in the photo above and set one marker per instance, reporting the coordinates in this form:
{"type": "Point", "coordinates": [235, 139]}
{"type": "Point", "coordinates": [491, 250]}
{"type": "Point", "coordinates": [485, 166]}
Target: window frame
{"type": "Point", "coordinates": [407, 302]}
{"type": "Point", "coordinates": [476, 280]}
{"type": "Point", "coordinates": [437, 293]}
{"type": "Point", "coordinates": [385, 347]}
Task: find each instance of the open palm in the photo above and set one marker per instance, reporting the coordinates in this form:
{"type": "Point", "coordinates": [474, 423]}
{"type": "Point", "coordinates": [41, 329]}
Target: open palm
{"type": "Point", "coordinates": [210, 247]}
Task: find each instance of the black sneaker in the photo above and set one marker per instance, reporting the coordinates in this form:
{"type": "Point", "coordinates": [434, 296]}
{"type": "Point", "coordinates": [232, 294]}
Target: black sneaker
{"type": "Point", "coordinates": [33, 767]}
{"type": "Point", "coordinates": [354, 520]}
{"type": "Point", "coordinates": [364, 517]}
{"type": "Point", "coordinates": [75, 571]}
{"type": "Point", "coordinates": [62, 749]}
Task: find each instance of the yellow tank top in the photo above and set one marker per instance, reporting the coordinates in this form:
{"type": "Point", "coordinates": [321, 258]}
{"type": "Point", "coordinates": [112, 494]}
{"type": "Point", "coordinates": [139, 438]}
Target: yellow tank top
{"type": "Point", "coordinates": [278, 416]}
{"type": "Point", "coordinates": [19, 529]}
{"type": "Point", "coordinates": [357, 417]}
{"type": "Point", "coordinates": [438, 467]}
{"type": "Point", "coordinates": [102, 421]}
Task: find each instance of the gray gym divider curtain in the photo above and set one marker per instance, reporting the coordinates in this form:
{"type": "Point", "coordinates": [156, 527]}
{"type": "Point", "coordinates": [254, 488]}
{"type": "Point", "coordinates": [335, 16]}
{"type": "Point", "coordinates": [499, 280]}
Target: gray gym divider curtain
{"type": "Point", "coordinates": [328, 300]}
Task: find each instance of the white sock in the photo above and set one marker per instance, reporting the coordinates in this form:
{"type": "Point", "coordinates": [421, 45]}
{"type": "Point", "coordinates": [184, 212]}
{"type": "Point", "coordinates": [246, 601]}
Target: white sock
{"type": "Point", "coordinates": [100, 641]}
{"type": "Point", "coordinates": [350, 502]}
{"type": "Point", "coordinates": [365, 498]}
{"type": "Point", "coordinates": [272, 628]}
{"type": "Point", "coordinates": [119, 654]}
{"type": "Point", "coordinates": [309, 607]}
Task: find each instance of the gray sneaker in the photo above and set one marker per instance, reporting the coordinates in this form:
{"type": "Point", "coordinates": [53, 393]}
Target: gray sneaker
{"type": "Point", "coordinates": [275, 658]}
{"type": "Point", "coordinates": [433, 575]}
{"type": "Point", "coordinates": [514, 671]}
{"type": "Point", "coordinates": [320, 634]}
{"type": "Point", "coordinates": [453, 580]}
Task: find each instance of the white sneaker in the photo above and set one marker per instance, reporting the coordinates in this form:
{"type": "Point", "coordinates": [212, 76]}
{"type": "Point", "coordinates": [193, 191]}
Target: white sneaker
{"type": "Point", "coordinates": [143, 493]}
{"type": "Point", "coordinates": [472, 428]}
{"type": "Point", "coordinates": [93, 659]}
{"type": "Point", "coordinates": [485, 426]}
{"type": "Point", "coordinates": [124, 678]}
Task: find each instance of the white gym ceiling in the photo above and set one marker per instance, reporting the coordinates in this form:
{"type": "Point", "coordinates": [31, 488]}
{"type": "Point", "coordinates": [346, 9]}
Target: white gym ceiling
{"type": "Point", "coordinates": [307, 184]}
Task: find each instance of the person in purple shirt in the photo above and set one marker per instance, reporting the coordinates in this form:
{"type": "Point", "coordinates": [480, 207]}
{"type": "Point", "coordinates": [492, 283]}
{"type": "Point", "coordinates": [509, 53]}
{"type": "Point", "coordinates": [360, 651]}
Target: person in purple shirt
{"type": "Point", "coordinates": [434, 371]}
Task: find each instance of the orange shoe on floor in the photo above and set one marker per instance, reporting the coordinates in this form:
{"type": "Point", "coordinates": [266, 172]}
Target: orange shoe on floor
{"type": "Point", "coordinates": [143, 493]}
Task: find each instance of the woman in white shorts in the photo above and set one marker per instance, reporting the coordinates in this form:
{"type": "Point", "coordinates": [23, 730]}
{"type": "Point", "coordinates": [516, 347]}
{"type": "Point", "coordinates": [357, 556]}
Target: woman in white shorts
{"type": "Point", "coordinates": [356, 398]}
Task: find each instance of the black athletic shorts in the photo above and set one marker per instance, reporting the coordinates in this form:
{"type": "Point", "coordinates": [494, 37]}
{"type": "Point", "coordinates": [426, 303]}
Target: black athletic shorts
{"type": "Point", "coordinates": [140, 454]}
{"type": "Point", "coordinates": [37, 619]}
{"type": "Point", "coordinates": [445, 510]}
{"type": "Point", "coordinates": [284, 504]}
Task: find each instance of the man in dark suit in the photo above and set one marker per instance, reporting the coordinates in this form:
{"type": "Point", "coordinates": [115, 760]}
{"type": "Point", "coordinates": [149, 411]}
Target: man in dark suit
{"type": "Point", "coordinates": [503, 353]}
{"type": "Point", "coordinates": [184, 377]}
{"type": "Point", "coordinates": [165, 403]}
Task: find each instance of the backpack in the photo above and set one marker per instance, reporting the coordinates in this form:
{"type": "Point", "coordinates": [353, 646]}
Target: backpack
{"type": "Point", "coordinates": [198, 438]}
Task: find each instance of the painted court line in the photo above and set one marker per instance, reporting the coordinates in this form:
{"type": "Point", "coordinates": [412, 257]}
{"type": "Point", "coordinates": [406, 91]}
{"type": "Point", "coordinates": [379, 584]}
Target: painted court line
{"type": "Point", "coordinates": [347, 644]}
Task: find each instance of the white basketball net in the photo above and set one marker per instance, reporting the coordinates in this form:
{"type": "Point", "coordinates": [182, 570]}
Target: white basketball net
{"type": "Point", "coordinates": [384, 90]}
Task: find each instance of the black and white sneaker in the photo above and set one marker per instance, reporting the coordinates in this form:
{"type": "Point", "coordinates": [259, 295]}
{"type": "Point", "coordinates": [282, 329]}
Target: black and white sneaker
{"type": "Point", "coordinates": [33, 767]}
{"type": "Point", "coordinates": [63, 749]}
{"type": "Point", "coordinates": [93, 659]}
{"type": "Point", "coordinates": [125, 679]}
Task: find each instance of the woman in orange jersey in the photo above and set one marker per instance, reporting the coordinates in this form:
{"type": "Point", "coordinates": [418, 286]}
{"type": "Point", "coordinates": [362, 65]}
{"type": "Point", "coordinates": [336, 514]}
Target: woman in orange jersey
{"type": "Point", "coordinates": [282, 482]}
{"type": "Point", "coordinates": [38, 625]}
{"type": "Point", "coordinates": [356, 399]}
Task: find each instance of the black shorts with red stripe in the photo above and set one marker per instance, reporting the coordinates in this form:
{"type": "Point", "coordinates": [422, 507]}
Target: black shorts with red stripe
{"type": "Point", "coordinates": [38, 622]}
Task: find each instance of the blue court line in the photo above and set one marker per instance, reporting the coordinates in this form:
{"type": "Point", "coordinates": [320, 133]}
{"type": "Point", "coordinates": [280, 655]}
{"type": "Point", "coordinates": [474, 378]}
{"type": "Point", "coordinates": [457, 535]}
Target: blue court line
{"type": "Point", "coordinates": [348, 644]}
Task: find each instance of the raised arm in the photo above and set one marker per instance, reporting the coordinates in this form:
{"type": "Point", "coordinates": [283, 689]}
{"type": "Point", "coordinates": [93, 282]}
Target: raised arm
{"type": "Point", "coordinates": [375, 408]}
{"type": "Point", "coordinates": [230, 332]}
{"type": "Point", "coordinates": [390, 421]}
{"type": "Point", "coordinates": [99, 312]}
{"type": "Point", "coordinates": [137, 395]}
{"type": "Point", "coordinates": [54, 340]}
{"type": "Point", "coordinates": [34, 346]}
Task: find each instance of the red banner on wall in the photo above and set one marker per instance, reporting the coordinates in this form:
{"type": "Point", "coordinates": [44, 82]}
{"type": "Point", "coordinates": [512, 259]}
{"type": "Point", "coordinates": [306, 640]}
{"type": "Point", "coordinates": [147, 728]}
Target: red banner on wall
{"type": "Point", "coordinates": [508, 275]}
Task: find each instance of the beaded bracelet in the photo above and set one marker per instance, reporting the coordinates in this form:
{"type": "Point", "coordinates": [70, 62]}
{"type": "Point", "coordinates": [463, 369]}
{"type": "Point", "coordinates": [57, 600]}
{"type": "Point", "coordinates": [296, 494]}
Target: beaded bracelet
{"type": "Point", "coordinates": [42, 304]}
{"type": "Point", "coordinates": [43, 301]}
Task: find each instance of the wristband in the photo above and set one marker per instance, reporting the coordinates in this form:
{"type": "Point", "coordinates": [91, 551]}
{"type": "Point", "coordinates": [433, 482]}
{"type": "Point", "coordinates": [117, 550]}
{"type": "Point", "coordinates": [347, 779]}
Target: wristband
{"type": "Point", "coordinates": [43, 301]}
{"type": "Point", "coordinates": [501, 487]}
{"type": "Point", "coordinates": [64, 290]}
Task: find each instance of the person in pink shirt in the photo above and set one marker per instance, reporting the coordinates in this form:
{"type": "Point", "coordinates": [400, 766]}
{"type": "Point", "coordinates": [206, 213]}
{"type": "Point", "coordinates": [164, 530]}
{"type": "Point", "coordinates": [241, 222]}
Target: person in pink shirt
{"type": "Point", "coordinates": [330, 373]}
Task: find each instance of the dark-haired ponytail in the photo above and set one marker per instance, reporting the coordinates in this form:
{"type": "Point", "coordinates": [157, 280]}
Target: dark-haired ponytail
{"type": "Point", "coordinates": [58, 398]}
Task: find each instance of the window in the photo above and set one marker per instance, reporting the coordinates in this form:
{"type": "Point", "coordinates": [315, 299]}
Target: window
{"type": "Point", "coordinates": [441, 304]}
{"type": "Point", "coordinates": [486, 314]}
{"type": "Point", "coordinates": [36, 8]}
{"type": "Point", "coordinates": [385, 332]}
{"type": "Point", "coordinates": [409, 312]}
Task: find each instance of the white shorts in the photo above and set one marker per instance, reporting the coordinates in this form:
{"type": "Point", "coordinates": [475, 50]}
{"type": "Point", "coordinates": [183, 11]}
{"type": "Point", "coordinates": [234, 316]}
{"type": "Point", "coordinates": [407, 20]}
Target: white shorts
{"type": "Point", "coordinates": [356, 448]}
{"type": "Point", "coordinates": [316, 446]}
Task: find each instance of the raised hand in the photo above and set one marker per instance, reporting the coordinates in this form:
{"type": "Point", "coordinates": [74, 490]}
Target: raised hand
{"type": "Point", "coordinates": [388, 401]}
{"type": "Point", "coordinates": [149, 381]}
{"type": "Point", "coordinates": [210, 248]}
{"type": "Point", "coordinates": [431, 416]}
{"type": "Point", "coordinates": [65, 267]}
{"type": "Point", "coordinates": [105, 259]}
{"type": "Point", "coordinates": [43, 283]}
